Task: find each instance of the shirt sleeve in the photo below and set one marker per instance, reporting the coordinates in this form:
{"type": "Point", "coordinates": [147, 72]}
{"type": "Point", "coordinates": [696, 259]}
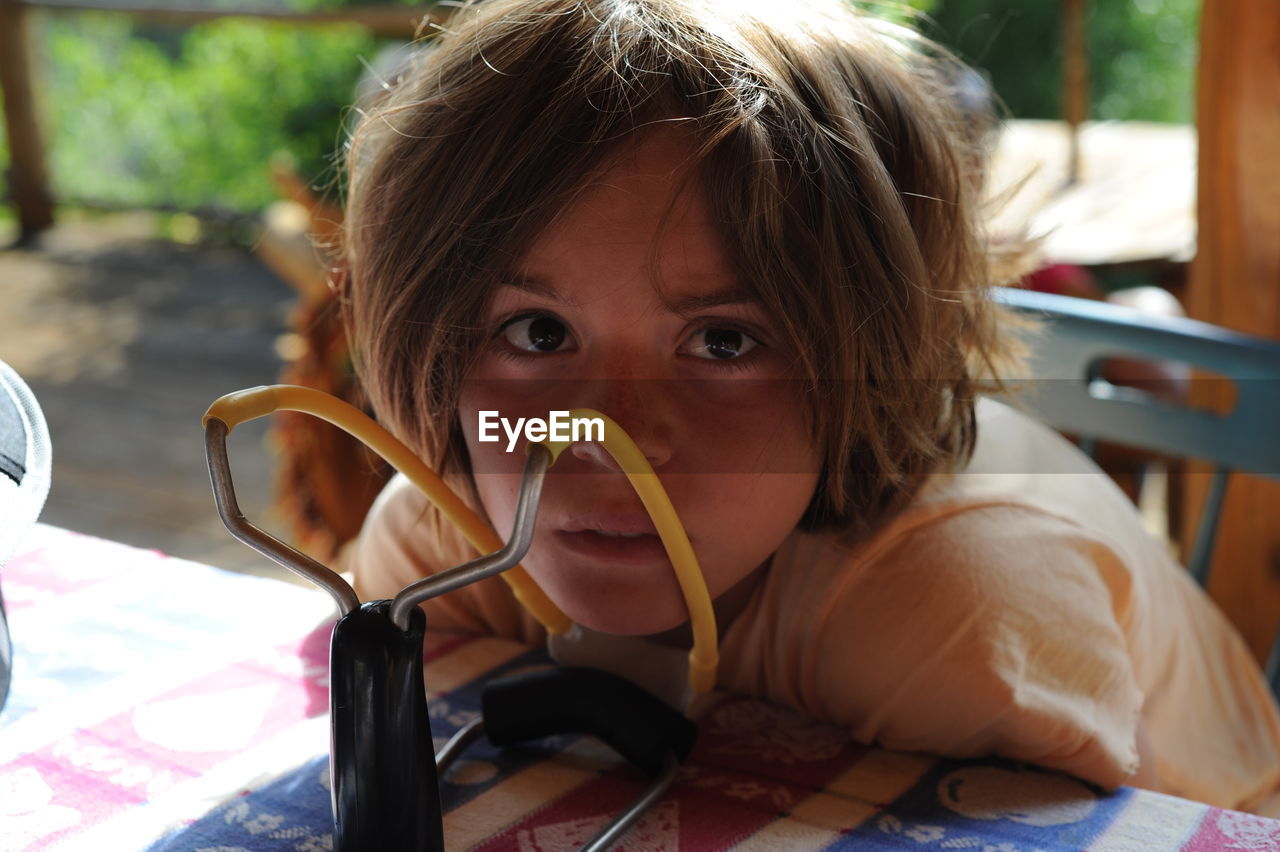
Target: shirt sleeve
{"type": "Point", "coordinates": [992, 631]}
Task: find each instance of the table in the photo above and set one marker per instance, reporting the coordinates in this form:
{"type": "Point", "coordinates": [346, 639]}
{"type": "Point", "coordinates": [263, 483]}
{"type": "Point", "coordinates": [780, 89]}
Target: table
{"type": "Point", "coordinates": [164, 705]}
{"type": "Point", "coordinates": [1135, 200]}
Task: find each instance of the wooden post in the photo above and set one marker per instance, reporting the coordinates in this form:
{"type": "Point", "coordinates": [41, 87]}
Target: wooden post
{"type": "Point", "coordinates": [1075, 80]}
{"type": "Point", "coordinates": [28, 178]}
{"type": "Point", "coordinates": [1235, 278]}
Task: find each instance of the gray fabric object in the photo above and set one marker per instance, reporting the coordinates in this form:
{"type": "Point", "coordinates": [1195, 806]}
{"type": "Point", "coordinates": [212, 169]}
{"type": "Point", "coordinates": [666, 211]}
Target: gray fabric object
{"type": "Point", "coordinates": [24, 484]}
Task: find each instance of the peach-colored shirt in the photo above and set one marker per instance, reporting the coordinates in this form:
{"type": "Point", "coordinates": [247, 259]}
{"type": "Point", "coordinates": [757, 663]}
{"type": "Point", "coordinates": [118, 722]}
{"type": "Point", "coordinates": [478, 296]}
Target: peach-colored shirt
{"type": "Point", "coordinates": [1017, 608]}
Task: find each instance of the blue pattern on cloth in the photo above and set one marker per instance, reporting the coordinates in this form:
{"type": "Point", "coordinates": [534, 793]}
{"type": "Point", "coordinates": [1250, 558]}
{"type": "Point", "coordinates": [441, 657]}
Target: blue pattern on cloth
{"type": "Point", "coordinates": [294, 812]}
{"type": "Point", "coordinates": [991, 806]}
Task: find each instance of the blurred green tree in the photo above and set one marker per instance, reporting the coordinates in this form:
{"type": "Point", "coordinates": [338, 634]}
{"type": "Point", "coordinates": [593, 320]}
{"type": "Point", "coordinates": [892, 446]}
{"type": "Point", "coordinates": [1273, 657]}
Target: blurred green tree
{"type": "Point", "coordinates": [1142, 53]}
{"type": "Point", "coordinates": [192, 118]}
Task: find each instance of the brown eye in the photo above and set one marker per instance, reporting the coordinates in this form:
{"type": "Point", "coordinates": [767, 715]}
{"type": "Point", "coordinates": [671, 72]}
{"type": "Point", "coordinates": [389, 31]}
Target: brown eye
{"type": "Point", "coordinates": [536, 334]}
{"type": "Point", "coordinates": [720, 344]}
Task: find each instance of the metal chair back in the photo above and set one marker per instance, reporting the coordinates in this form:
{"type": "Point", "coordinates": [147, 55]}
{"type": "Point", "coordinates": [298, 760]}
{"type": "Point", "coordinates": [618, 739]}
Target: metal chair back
{"type": "Point", "coordinates": [1075, 335]}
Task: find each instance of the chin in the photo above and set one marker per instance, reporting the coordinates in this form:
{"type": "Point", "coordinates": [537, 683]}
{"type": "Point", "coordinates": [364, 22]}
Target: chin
{"type": "Point", "coordinates": [621, 608]}
{"type": "Point", "coordinates": [633, 621]}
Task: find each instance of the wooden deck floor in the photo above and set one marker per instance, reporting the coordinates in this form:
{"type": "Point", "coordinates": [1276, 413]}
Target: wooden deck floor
{"type": "Point", "coordinates": [126, 340]}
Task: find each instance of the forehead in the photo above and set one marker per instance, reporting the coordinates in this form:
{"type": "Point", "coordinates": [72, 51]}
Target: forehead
{"type": "Point", "coordinates": [649, 166]}
{"type": "Point", "coordinates": [641, 225]}
{"type": "Point", "coordinates": [645, 214]}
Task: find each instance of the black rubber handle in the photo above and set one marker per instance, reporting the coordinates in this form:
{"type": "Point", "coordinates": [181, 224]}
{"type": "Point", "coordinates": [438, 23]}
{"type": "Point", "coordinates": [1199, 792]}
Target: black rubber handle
{"type": "Point", "coordinates": [382, 764]}
{"type": "Point", "coordinates": [571, 700]}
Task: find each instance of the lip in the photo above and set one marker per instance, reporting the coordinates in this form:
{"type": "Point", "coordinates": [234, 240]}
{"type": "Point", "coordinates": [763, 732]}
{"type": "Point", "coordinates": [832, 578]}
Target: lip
{"type": "Point", "coordinates": [625, 522]}
{"type": "Point", "coordinates": [641, 549]}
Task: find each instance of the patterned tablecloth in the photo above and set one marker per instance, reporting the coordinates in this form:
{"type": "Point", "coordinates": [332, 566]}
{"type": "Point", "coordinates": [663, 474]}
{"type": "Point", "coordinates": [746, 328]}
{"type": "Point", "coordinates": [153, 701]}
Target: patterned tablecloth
{"type": "Point", "coordinates": [159, 704]}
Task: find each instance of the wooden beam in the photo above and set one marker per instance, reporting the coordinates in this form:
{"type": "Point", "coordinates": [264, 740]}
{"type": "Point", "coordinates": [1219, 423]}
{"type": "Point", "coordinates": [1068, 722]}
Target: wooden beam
{"type": "Point", "coordinates": [385, 21]}
{"type": "Point", "coordinates": [28, 178]}
{"type": "Point", "coordinates": [1235, 277]}
{"type": "Point", "coordinates": [1075, 79]}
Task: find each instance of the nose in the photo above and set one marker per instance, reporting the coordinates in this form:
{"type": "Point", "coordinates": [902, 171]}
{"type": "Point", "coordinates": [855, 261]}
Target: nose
{"type": "Point", "coordinates": [641, 407]}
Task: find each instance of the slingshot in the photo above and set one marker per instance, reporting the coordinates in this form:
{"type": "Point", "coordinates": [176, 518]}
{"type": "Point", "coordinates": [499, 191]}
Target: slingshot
{"type": "Point", "coordinates": [382, 767]}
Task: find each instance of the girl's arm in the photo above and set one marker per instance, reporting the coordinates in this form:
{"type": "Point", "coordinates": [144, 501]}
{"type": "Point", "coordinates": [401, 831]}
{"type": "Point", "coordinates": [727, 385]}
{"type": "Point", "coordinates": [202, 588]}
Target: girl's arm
{"type": "Point", "coordinates": [987, 632]}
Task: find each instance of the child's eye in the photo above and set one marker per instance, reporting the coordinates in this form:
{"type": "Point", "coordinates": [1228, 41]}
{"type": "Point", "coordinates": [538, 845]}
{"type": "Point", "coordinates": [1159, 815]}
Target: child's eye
{"type": "Point", "coordinates": [720, 344]}
{"type": "Point", "coordinates": [536, 333]}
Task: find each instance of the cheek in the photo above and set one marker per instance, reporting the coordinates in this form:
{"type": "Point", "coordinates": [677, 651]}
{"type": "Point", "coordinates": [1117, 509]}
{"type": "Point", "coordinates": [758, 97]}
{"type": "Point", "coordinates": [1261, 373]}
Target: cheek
{"type": "Point", "coordinates": [494, 398]}
{"type": "Point", "coordinates": [496, 472]}
{"type": "Point", "coordinates": [746, 427]}
{"type": "Point", "coordinates": [755, 472]}
{"type": "Point", "coordinates": [754, 515]}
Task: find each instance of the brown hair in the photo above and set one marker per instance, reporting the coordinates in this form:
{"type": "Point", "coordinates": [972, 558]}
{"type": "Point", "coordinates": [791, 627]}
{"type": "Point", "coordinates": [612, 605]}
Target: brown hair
{"type": "Point", "coordinates": [828, 142]}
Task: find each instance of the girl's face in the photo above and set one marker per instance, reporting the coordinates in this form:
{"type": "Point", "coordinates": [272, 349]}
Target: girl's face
{"type": "Point", "coordinates": [641, 317]}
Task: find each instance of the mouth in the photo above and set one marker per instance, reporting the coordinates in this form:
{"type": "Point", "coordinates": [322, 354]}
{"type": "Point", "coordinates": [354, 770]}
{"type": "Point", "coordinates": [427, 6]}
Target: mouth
{"type": "Point", "coordinates": [613, 546]}
{"type": "Point", "coordinates": [622, 537]}
{"type": "Point", "coordinates": [622, 522]}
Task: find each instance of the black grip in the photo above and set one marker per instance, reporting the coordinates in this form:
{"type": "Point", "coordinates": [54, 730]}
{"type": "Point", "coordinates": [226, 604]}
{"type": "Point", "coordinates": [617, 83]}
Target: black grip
{"type": "Point", "coordinates": [575, 700]}
{"type": "Point", "coordinates": [386, 796]}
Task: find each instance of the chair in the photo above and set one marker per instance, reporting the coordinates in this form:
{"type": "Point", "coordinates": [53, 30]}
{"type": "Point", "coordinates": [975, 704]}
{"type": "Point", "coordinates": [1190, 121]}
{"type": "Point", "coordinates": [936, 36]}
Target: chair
{"type": "Point", "coordinates": [1078, 335]}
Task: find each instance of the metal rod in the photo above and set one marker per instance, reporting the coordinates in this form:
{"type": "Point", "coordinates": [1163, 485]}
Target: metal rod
{"type": "Point", "coordinates": [224, 494]}
{"type": "Point", "coordinates": [535, 469]}
{"type": "Point", "coordinates": [612, 832]}
{"type": "Point", "coordinates": [1207, 530]}
{"type": "Point", "coordinates": [459, 743]}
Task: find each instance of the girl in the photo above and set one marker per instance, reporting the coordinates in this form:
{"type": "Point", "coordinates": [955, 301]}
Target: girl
{"type": "Point", "coordinates": [750, 236]}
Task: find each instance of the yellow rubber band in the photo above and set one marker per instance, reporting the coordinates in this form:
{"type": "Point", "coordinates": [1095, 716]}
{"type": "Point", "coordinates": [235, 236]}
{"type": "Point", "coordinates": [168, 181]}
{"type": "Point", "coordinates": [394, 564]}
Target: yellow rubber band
{"type": "Point", "coordinates": [241, 406]}
{"type": "Point", "coordinates": [705, 656]}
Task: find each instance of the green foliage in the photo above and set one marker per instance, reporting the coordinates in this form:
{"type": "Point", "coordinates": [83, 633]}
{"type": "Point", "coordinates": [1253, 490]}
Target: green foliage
{"type": "Point", "coordinates": [899, 11]}
{"type": "Point", "coordinates": [147, 117]}
{"type": "Point", "coordinates": [1150, 49]}
{"type": "Point", "coordinates": [1141, 53]}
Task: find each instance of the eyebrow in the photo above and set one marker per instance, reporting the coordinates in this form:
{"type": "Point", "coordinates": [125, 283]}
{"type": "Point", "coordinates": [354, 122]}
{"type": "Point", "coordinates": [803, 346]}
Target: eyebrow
{"type": "Point", "coordinates": [536, 286]}
{"type": "Point", "coordinates": [734, 294]}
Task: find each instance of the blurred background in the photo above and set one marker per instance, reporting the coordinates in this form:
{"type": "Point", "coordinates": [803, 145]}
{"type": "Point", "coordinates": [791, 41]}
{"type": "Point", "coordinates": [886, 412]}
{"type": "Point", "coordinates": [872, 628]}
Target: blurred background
{"type": "Point", "coordinates": [140, 112]}
{"type": "Point", "coordinates": [173, 177]}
